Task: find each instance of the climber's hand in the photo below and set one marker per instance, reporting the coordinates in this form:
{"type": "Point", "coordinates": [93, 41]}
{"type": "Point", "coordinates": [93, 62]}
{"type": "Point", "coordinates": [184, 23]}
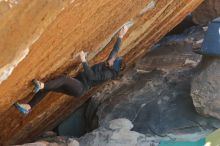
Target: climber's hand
{"type": "Point", "coordinates": [123, 31]}
{"type": "Point", "coordinates": [82, 55]}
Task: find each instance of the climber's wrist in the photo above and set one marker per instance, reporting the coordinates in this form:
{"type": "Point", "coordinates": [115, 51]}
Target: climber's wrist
{"type": "Point", "coordinates": [83, 60]}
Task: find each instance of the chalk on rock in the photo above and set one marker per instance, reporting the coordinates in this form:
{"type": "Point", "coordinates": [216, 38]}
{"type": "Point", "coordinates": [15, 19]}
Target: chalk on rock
{"type": "Point", "coordinates": [120, 124]}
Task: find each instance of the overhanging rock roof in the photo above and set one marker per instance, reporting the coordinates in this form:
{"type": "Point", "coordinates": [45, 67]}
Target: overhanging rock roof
{"type": "Point", "coordinates": [40, 38]}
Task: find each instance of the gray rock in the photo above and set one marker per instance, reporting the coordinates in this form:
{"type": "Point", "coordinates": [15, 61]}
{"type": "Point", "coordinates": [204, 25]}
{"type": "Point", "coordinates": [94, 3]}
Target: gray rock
{"type": "Point", "coordinates": [123, 124]}
{"type": "Point", "coordinates": [155, 96]}
{"type": "Point", "coordinates": [205, 88]}
{"type": "Point", "coordinates": [41, 143]}
{"type": "Point", "coordinates": [73, 142]}
{"type": "Point", "coordinates": [207, 11]}
{"type": "Point", "coordinates": [119, 135]}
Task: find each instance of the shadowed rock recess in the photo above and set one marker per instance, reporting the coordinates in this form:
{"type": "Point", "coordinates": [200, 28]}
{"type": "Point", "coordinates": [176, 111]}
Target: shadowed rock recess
{"type": "Point", "coordinates": [39, 39]}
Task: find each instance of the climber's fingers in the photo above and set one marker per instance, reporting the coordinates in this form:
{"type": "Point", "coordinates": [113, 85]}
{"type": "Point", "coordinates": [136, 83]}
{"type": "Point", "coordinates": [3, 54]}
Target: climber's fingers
{"type": "Point", "coordinates": [81, 53]}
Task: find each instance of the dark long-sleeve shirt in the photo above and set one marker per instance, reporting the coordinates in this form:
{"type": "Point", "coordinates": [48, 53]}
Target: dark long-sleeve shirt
{"type": "Point", "coordinates": [99, 73]}
{"type": "Point", "coordinates": [116, 48]}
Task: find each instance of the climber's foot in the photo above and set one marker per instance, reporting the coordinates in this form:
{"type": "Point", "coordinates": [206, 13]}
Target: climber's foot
{"type": "Point", "coordinates": [37, 85]}
{"type": "Point", "coordinates": [23, 108]}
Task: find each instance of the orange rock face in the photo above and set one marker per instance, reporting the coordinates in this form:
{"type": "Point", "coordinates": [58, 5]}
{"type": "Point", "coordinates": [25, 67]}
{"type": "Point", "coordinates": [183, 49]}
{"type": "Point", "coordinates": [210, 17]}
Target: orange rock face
{"type": "Point", "coordinates": [39, 39]}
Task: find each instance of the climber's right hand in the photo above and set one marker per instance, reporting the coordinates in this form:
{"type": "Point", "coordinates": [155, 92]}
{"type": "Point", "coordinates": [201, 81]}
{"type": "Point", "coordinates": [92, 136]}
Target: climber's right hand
{"type": "Point", "coordinates": [123, 31]}
{"type": "Point", "coordinates": [82, 55]}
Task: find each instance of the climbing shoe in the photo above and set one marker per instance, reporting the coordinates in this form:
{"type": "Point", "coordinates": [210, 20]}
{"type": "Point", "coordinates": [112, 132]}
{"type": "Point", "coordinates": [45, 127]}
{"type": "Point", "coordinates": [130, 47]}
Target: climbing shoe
{"type": "Point", "coordinates": [23, 108]}
{"type": "Point", "coordinates": [37, 85]}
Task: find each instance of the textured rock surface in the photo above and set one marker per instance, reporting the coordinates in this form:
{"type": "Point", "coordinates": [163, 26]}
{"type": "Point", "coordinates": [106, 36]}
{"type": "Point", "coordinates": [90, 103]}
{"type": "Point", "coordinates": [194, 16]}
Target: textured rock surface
{"type": "Point", "coordinates": [207, 11]}
{"type": "Point", "coordinates": [23, 24]}
{"type": "Point", "coordinates": [152, 101]}
{"type": "Point", "coordinates": [117, 133]}
{"type": "Point", "coordinates": [39, 39]}
{"type": "Point", "coordinates": [156, 97]}
{"type": "Point", "coordinates": [205, 88]}
{"type": "Point", "coordinates": [54, 141]}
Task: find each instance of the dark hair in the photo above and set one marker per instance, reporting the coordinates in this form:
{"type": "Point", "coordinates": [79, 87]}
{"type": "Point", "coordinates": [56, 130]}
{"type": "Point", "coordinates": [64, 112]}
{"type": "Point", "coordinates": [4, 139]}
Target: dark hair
{"type": "Point", "coordinates": [123, 66]}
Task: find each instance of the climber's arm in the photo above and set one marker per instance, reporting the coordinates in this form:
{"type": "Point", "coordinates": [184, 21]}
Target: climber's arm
{"type": "Point", "coordinates": [116, 48]}
{"type": "Point", "coordinates": [117, 45]}
{"type": "Point", "coordinates": [88, 71]}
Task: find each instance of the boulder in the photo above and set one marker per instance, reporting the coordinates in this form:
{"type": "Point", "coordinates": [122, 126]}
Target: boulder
{"type": "Point", "coordinates": [54, 142]}
{"type": "Point", "coordinates": [205, 88]}
{"type": "Point", "coordinates": [155, 95]}
{"type": "Point", "coordinates": [121, 136]}
{"type": "Point", "coordinates": [206, 12]}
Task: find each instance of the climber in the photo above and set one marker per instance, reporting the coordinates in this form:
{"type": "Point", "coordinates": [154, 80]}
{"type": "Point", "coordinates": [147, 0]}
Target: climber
{"type": "Point", "coordinates": [78, 86]}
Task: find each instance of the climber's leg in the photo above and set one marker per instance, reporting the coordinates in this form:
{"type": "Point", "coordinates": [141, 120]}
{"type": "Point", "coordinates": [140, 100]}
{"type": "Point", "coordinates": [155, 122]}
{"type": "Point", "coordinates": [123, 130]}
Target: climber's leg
{"type": "Point", "coordinates": [63, 84]}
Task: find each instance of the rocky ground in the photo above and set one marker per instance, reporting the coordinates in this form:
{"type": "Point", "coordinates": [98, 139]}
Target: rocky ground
{"type": "Point", "coordinates": [151, 102]}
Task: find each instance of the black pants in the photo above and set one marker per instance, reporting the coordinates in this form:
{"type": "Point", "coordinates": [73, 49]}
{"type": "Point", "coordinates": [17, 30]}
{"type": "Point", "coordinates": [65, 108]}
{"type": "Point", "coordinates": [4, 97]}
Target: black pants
{"type": "Point", "coordinates": [63, 84]}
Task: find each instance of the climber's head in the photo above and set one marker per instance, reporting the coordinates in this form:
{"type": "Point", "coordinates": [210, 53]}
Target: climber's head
{"type": "Point", "coordinates": [111, 61]}
{"type": "Point", "coordinates": [116, 63]}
